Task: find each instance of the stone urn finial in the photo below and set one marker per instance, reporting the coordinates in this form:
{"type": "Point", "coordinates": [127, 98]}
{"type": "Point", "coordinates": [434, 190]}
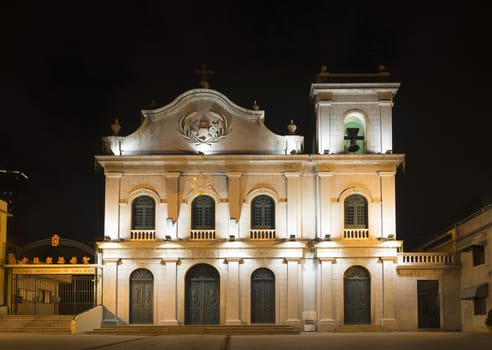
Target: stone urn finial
{"type": "Point", "coordinates": [255, 106]}
{"type": "Point", "coordinates": [291, 128]}
{"type": "Point", "coordinates": [116, 127]}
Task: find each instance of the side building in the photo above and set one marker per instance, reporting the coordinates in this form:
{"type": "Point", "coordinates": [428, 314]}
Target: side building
{"type": "Point", "coordinates": [211, 218]}
{"type": "Point", "coordinates": [470, 240]}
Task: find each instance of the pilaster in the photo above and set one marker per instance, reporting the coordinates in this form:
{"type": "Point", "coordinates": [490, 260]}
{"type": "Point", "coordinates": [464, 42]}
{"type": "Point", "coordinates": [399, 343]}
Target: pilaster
{"type": "Point", "coordinates": [169, 292]}
{"type": "Point", "coordinates": [172, 194]}
{"type": "Point", "coordinates": [234, 195]}
{"type": "Point", "coordinates": [293, 292]}
{"type": "Point", "coordinates": [111, 205]}
{"type": "Point", "coordinates": [326, 321]}
{"type": "Point", "coordinates": [324, 211]}
{"type": "Point", "coordinates": [110, 285]}
{"type": "Point", "coordinates": [388, 320]}
{"type": "Point", "coordinates": [388, 203]}
{"type": "Point", "coordinates": [232, 292]}
{"type": "Point", "coordinates": [293, 204]}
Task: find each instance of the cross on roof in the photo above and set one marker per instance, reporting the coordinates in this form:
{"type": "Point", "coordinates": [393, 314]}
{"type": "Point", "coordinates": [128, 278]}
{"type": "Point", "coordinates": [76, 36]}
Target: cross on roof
{"type": "Point", "coordinates": [203, 72]}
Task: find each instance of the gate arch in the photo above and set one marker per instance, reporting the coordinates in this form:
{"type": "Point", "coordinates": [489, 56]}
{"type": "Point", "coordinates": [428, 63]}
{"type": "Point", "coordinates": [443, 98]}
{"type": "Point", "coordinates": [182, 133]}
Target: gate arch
{"type": "Point", "coordinates": [357, 296]}
{"type": "Point", "coordinates": [141, 296]}
{"type": "Point", "coordinates": [202, 298]}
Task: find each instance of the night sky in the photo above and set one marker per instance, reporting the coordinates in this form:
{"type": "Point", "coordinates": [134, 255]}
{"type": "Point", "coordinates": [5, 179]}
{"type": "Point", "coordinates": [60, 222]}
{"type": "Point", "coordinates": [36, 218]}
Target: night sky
{"type": "Point", "coordinates": [68, 68]}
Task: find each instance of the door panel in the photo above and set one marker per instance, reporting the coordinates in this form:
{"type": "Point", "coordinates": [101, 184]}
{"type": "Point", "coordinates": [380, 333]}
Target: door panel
{"type": "Point", "coordinates": [141, 297]}
{"type": "Point", "coordinates": [202, 297]}
{"type": "Point", "coordinates": [263, 296]}
{"type": "Point", "coordinates": [357, 296]}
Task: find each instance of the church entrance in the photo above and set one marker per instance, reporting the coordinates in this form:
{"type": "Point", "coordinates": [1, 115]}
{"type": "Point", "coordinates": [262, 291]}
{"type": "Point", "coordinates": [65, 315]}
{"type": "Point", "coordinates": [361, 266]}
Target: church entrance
{"type": "Point", "coordinates": [141, 296]}
{"type": "Point", "coordinates": [357, 296]}
{"type": "Point", "coordinates": [263, 296]}
{"type": "Point", "coordinates": [202, 295]}
{"type": "Point", "coordinates": [428, 304]}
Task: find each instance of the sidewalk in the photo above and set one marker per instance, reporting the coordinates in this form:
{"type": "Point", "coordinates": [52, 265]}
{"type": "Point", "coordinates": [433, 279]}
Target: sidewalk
{"type": "Point", "coordinates": [304, 341]}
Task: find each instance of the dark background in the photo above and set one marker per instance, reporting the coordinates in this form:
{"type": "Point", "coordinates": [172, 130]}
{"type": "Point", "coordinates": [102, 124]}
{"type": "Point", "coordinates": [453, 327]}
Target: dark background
{"type": "Point", "coordinates": [68, 68]}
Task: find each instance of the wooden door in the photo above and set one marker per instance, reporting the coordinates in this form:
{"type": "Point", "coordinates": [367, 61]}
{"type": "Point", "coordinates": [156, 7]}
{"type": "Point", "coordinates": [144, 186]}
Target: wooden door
{"type": "Point", "coordinates": [141, 296]}
{"type": "Point", "coordinates": [263, 296]}
{"type": "Point", "coordinates": [202, 295]}
{"type": "Point", "coordinates": [357, 296]}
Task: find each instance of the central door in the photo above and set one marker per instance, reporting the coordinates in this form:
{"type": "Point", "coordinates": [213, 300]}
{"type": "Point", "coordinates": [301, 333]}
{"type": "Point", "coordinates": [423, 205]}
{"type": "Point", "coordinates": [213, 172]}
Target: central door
{"type": "Point", "coordinates": [263, 296]}
{"type": "Point", "coordinates": [357, 296]}
{"type": "Point", "coordinates": [141, 296]}
{"type": "Point", "coordinates": [202, 295]}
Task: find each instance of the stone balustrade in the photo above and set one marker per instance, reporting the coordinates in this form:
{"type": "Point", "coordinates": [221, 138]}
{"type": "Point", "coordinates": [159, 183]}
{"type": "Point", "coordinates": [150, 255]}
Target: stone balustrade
{"type": "Point", "coordinates": [202, 234]}
{"type": "Point", "coordinates": [262, 234]}
{"type": "Point", "coordinates": [356, 233]}
{"type": "Point", "coordinates": [425, 259]}
{"type": "Point", "coordinates": [142, 235]}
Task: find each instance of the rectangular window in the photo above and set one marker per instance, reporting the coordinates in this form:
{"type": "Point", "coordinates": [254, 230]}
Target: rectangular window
{"type": "Point", "coordinates": [478, 252]}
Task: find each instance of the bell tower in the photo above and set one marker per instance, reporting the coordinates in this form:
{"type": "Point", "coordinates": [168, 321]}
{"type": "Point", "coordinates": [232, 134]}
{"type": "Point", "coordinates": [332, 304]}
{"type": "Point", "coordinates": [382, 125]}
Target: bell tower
{"type": "Point", "coordinates": [353, 115]}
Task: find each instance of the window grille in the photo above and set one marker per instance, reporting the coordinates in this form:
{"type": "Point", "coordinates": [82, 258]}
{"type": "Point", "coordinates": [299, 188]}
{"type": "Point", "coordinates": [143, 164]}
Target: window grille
{"type": "Point", "coordinates": [143, 213]}
{"type": "Point", "coordinates": [203, 213]}
{"type": "Point", "coordinates": [355, 211]}
{"type": "Point", "coordinates": [262, 212]}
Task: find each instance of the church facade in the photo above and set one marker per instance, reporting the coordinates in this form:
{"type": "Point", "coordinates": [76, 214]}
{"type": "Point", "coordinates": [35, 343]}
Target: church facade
{"type": "Point", "coordinates": [211, 218]}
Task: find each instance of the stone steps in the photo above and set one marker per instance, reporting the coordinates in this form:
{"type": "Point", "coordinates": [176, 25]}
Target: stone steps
{"type": "Point", "coordinates": [359, 328]}
{"type": "Point", "coordinates": [210, 330]}
{"type": "Point", "coordinates": [35, 323]}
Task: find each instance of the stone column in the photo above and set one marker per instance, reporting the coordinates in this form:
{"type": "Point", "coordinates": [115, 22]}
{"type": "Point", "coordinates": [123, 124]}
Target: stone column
{"type": "Point", "coordinates": [111, 205]}
{"type": "Point", "coordinates": [326, 320]}
{"type": "Point", "coordinates": [232, 292]}
{"type": "Point", "coordinates": [293, 292]}
{"type": "Point", "coordinates": [293, 204]}
{"type": "Point", "coordinates": [169, 292]}
{"type": "Point", "coordinates": [110, 291]}
{"type": "Point", "coordinates": [388, 320]}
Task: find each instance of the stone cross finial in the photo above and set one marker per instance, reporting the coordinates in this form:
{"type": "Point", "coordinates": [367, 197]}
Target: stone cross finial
{"type": "Point", "coordinates": [203, 72]}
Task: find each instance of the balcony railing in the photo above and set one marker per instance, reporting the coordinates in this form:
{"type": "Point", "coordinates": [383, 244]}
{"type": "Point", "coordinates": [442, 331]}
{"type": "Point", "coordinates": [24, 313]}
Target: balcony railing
{"type": "Point", "coordinates": [356, 233]}
{"type": "Point", "coordinates": [407, 259]}
{"type": "Point", "coordinates": [202, 235]}
{"type": "Point", "coordinates": [262, 234]}
{"type": "Point", "coordinates": [142, 235]}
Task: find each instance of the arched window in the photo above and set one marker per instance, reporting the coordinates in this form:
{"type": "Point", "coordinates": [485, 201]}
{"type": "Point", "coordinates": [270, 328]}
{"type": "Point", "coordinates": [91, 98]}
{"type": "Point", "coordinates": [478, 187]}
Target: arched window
{"type": "Point", "coordinates": [355, 211]}
{"type": "Point", "coordinates": [354, 133]}
{"type": "Point", "coordinates": [143, 213]}
{"type": "Point", "coordinates": [262, 212]}
{"type": "Point", "coordinates": [203, 213]}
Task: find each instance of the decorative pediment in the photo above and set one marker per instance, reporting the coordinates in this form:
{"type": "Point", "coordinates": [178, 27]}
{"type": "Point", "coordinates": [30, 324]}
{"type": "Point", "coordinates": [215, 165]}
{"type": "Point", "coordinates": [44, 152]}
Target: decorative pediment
{"type": "Point", "coordinates": [203, 121]}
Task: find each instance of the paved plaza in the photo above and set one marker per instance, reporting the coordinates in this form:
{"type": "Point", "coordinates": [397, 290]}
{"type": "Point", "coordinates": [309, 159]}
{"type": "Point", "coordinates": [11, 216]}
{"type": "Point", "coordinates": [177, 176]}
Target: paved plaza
{"type": "Point", "coordinates": [304, 341]}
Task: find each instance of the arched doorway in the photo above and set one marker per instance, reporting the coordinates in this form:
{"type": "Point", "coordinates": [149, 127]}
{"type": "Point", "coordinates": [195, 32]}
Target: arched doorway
{"type": "Point", "coordinates": [202, 298]}
{"type": "Point", "coordinates": [262, 296]}
{"type": "Point", "coordinates": [357, 296]}
{"type": "Point", "coordinates": [141, 296]}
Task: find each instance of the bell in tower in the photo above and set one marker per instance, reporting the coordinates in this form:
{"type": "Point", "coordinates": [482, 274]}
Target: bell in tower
{"type": "Point", "coordinates": [352, 135]}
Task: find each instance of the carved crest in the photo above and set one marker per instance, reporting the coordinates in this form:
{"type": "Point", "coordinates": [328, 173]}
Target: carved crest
{"type": "Point", "coordinates": [199, 128]}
